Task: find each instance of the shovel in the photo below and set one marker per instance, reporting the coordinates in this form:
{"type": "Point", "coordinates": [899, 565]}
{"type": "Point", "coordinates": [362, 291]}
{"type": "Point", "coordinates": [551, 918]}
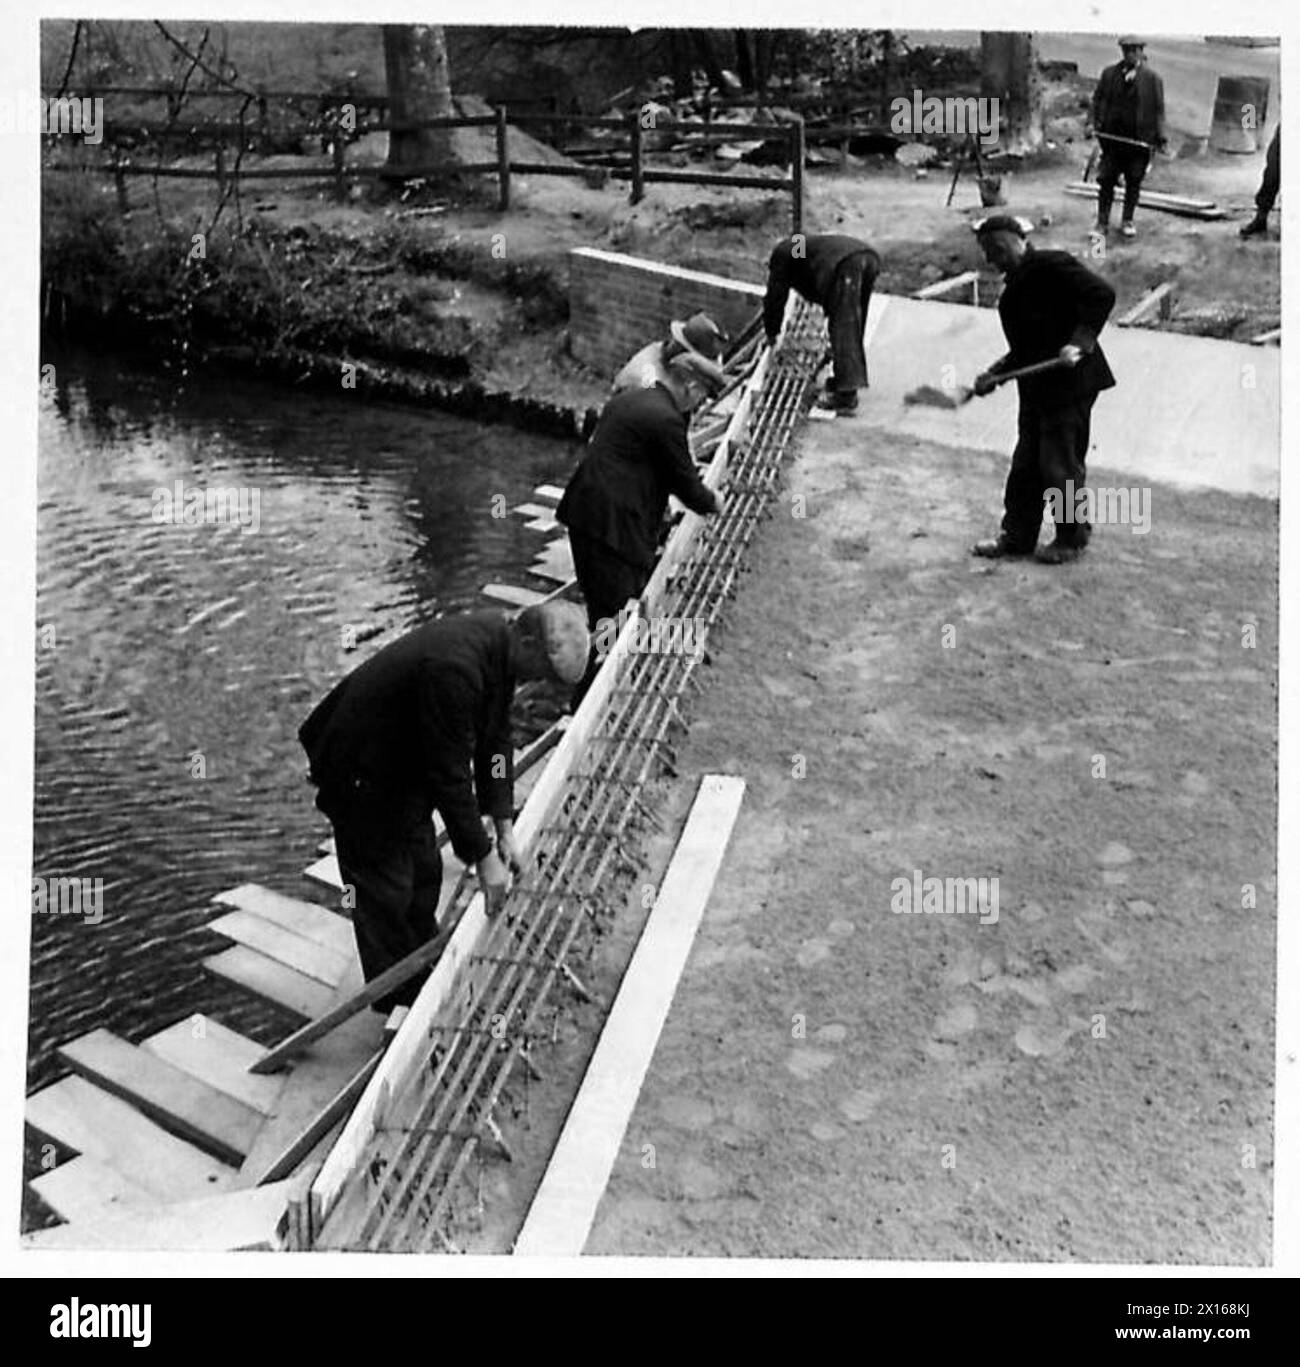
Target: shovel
{"type": "Point", "coordinates": [933, 397]}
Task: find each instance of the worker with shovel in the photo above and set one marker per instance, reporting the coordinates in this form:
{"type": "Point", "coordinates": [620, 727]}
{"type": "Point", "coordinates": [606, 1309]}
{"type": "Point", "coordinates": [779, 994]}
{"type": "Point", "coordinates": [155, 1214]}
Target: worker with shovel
{"type": "Point", "coordinates": [1128, 116]}
{"type": "Point", "coordinates": [1052, 309]}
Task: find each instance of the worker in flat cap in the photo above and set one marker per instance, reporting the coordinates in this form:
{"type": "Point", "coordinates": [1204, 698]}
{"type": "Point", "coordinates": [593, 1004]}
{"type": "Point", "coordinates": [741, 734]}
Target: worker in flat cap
{"type": "Point", "coordinates": [615, 502]}
{"type": "Point", "coordinates": [699, 335]}
{"type": "Point", "coordinates": [1052, 308]}
{"type": "Point", "coordinates": [837, 273]}
{"type": "Point", "coordinates": [424, 726]}
{"type": "Point", "coordinates": [1128, 117]}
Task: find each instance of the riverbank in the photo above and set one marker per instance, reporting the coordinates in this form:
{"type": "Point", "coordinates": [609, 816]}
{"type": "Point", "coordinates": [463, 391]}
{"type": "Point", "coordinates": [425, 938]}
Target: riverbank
{"type": "Point", "coordinates": [440, 299]}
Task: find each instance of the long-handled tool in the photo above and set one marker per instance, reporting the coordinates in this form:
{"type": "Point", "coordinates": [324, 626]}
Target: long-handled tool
{"type": "Point", "coordinates": [1113, 137]}
{"type": "Point", "coordinates": [933, 396]}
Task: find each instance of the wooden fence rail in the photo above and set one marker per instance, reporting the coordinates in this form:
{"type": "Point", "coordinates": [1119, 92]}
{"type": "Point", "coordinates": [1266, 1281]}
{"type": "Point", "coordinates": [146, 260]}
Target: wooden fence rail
{"type": "Point", "coordinates": [503, 166]}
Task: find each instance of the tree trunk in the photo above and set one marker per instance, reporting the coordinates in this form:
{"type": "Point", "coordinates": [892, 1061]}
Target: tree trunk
{"type": "Point", "coordinates": [419, 87]}
{"type": "Point", "coordinates": [1010, 73]}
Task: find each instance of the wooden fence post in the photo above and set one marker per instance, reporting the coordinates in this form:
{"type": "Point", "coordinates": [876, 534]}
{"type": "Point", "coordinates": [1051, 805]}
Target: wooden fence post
{"type": "Point", "coordinates": [503, 158]}
{"type": "Point", "coordinates": [797, 153]}
{"type": "Point", "coordinates": [638, 172]}
{"type": "Point", "coordinates": [221, 169]}
{"type": "Point", "coordinates": [340, 186]}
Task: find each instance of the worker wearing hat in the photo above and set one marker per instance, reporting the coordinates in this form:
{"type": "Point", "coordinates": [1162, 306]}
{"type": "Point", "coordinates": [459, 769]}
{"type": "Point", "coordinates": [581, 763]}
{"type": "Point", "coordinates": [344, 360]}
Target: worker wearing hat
{"type": "Point", "coordinates": [837, 273]}
{"type": "Point", "coordinates": [699, 335]}
{"type": "Point", "coordinates": [615, 502]}
{"type": "Point", "coordinates": [1128, 116]}
{"type": "Point", "coordinates": [424, 726]}
{"type": "Point", "coordinates": [1052, 308]}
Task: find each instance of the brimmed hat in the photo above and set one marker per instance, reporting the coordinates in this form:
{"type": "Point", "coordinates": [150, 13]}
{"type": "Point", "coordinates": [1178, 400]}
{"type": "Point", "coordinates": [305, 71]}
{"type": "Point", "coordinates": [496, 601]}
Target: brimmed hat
{"type": "Point", "coordinates": [1002, 223]}
{"type": "Point", "coordinates": [699, 333]}
{"type": "Point", "coordinates": [691, 365]}
{"type": "Point", "coordinates": [562, 629]}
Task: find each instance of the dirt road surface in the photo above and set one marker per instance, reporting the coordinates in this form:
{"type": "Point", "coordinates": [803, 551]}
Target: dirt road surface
{"type": "Point", "coordinates": [1087, 1078]}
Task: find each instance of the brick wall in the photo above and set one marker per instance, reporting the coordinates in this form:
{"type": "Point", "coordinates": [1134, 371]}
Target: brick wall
{"type": "Point", "coordinates": [619, 303]}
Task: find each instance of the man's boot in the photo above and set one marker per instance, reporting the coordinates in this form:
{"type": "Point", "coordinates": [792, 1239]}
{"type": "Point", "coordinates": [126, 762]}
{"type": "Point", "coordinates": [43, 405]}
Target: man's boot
{"type": "Point", "coordinates": [999, 548]}
{"type": "Point", "coordinates": [1257, 227]}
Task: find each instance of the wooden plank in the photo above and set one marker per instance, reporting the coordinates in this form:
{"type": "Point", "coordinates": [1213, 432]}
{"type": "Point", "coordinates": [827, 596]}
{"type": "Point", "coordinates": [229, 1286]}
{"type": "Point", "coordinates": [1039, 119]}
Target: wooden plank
{"type": "Point", "coordinates": [89, 1120]}
{"type": "Point", "coordinates": [206, 1049]}
{"type": "Point", "coordinates": [517, 598]}
{"type": "Point", "coordinates": [295, 951]}
{"type": "Point", "coordinates": [564, 1208]}
{"type": "Point", "coordinates": [1144, 306]}
{"type": "Point", "coordinates": [316, 1078]}
{"type": "Point", "coordinates": [244, 1220]}
{"type": "Point", "coordinates": [542, 524]}
{"type": "Point", "coordinates": [179, 1102]}
{"type": "Point", "coordinates": [944, 286]}
{"type": "Point", "coordinates": [549, 493]}
{"type": "Point", "coordinates": [326, 872]}
{"type": "Point", "coordinates": [285, 986]}
{"type": "Point", "coordinates": [83, 1188]}
{"type": "Point", "coordinates": [308, 919]}
{"type": "Point", "coordinates": [535, 510]}
{"type": "Point", "coordinates": [1264, 338]}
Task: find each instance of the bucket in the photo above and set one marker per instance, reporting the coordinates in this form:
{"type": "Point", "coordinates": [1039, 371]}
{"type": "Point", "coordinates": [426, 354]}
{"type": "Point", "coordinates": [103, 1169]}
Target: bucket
{"type": "Point", "coordinates": [1240, 110]}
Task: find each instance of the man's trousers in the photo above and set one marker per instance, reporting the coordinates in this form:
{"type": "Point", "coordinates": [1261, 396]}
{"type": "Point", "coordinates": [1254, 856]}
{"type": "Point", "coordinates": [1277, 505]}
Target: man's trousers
{"type": "Point", "coordinates": [607, 582]}
{"type": "Point", "coordinates": [1272, 181]}
{"type": "Point", "coordinates": [846, 320]}
{"type": "Point", "coordinates": [395, 872]}
{"type": "Point", "coordinates": [1051, 449]}
{"type": "Point", "coordinates": [1118, 159]}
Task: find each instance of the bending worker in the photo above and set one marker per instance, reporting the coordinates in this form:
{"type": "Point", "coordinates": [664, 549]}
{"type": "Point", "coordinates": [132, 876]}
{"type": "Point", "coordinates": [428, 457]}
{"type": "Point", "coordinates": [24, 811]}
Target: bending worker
{"type": "Point", "coordinates": [698, 334]}
{"type": "Point", "coordinates": [837, 274]}
{"type": "Point", "coordinates": [424, 726]}
{"type": "Point", "coordinates": [615, 502]}
{"type": "Point", "coordinates": [1052, 307]}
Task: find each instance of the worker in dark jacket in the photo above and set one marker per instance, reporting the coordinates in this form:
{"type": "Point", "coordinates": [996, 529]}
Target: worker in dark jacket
{"type": "Point", "coordinates": [837, 274]}
{"type": "Point", "coordinates": [1268, 187]}
{"type": "Point", "coordinates": [1128, 116]}
{"type": "Point", "coordinates": [1052, 307]}
{"type": "Point", "coordinates": [615, 502]}
{"type": "Point", "coordinates": [424, 726]}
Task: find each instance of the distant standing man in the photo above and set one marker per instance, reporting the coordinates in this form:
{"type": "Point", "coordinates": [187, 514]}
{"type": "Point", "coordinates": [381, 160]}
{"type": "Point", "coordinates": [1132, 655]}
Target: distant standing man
{"type": "Point", "coordinates": [424, 726]}
{"type": "Point", "coordinates": [1268, 187]}
{"type": "Point", "coordinates": [837, 273]}
{"type": "Point", "coordinates": [1128, 116]}
{"type": "Point", "coordinates": [615, 502]}
{"type": "Point", "coordinates": [1052, 307]}
{"type": "Point", "coordinates": [698, 334]}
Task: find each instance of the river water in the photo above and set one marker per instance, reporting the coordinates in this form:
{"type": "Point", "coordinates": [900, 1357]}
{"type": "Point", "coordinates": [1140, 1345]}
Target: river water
{"type": "Point", "coordinates": [175, 662]}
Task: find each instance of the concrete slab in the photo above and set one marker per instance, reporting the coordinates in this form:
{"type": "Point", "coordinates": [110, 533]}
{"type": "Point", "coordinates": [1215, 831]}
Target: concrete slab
{"type": "Point", "coordinates": [1189, 411]}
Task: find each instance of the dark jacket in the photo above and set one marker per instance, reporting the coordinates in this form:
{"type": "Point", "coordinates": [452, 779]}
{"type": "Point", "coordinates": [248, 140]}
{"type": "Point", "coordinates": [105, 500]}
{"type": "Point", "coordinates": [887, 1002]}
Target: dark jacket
{"type": "Point", "coordinates": [421, 726]}
{"type": "Point", "coordinates": [637, 456]}
{"type": "Point", "coordinates": [1133, 109]}
{"type": "Point", "coordinates": [1049, 300]}
{"type": "Point", "coordinates": [811, 271]}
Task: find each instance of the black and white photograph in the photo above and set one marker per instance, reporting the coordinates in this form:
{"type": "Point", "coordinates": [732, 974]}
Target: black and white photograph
{"type": "Point", "coordinates": [649, 643]}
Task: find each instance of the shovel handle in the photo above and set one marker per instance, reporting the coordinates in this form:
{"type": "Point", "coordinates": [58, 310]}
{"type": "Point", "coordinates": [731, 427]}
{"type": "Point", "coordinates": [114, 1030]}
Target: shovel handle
{"type": "Point", "coordinates": [1056, 363]}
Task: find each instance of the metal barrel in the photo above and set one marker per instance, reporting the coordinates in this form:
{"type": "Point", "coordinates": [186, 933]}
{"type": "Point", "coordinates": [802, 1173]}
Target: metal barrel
{"type": "Point", "coordinates": [1240, 110]}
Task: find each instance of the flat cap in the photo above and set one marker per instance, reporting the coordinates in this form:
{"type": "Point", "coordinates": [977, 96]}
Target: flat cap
{"type": "Point", "coordinates": [1132, 40]}
{"type": "Point", "coordinates": [562, 629]}
{"type": "Point", "coordinates": [1003, 223]}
